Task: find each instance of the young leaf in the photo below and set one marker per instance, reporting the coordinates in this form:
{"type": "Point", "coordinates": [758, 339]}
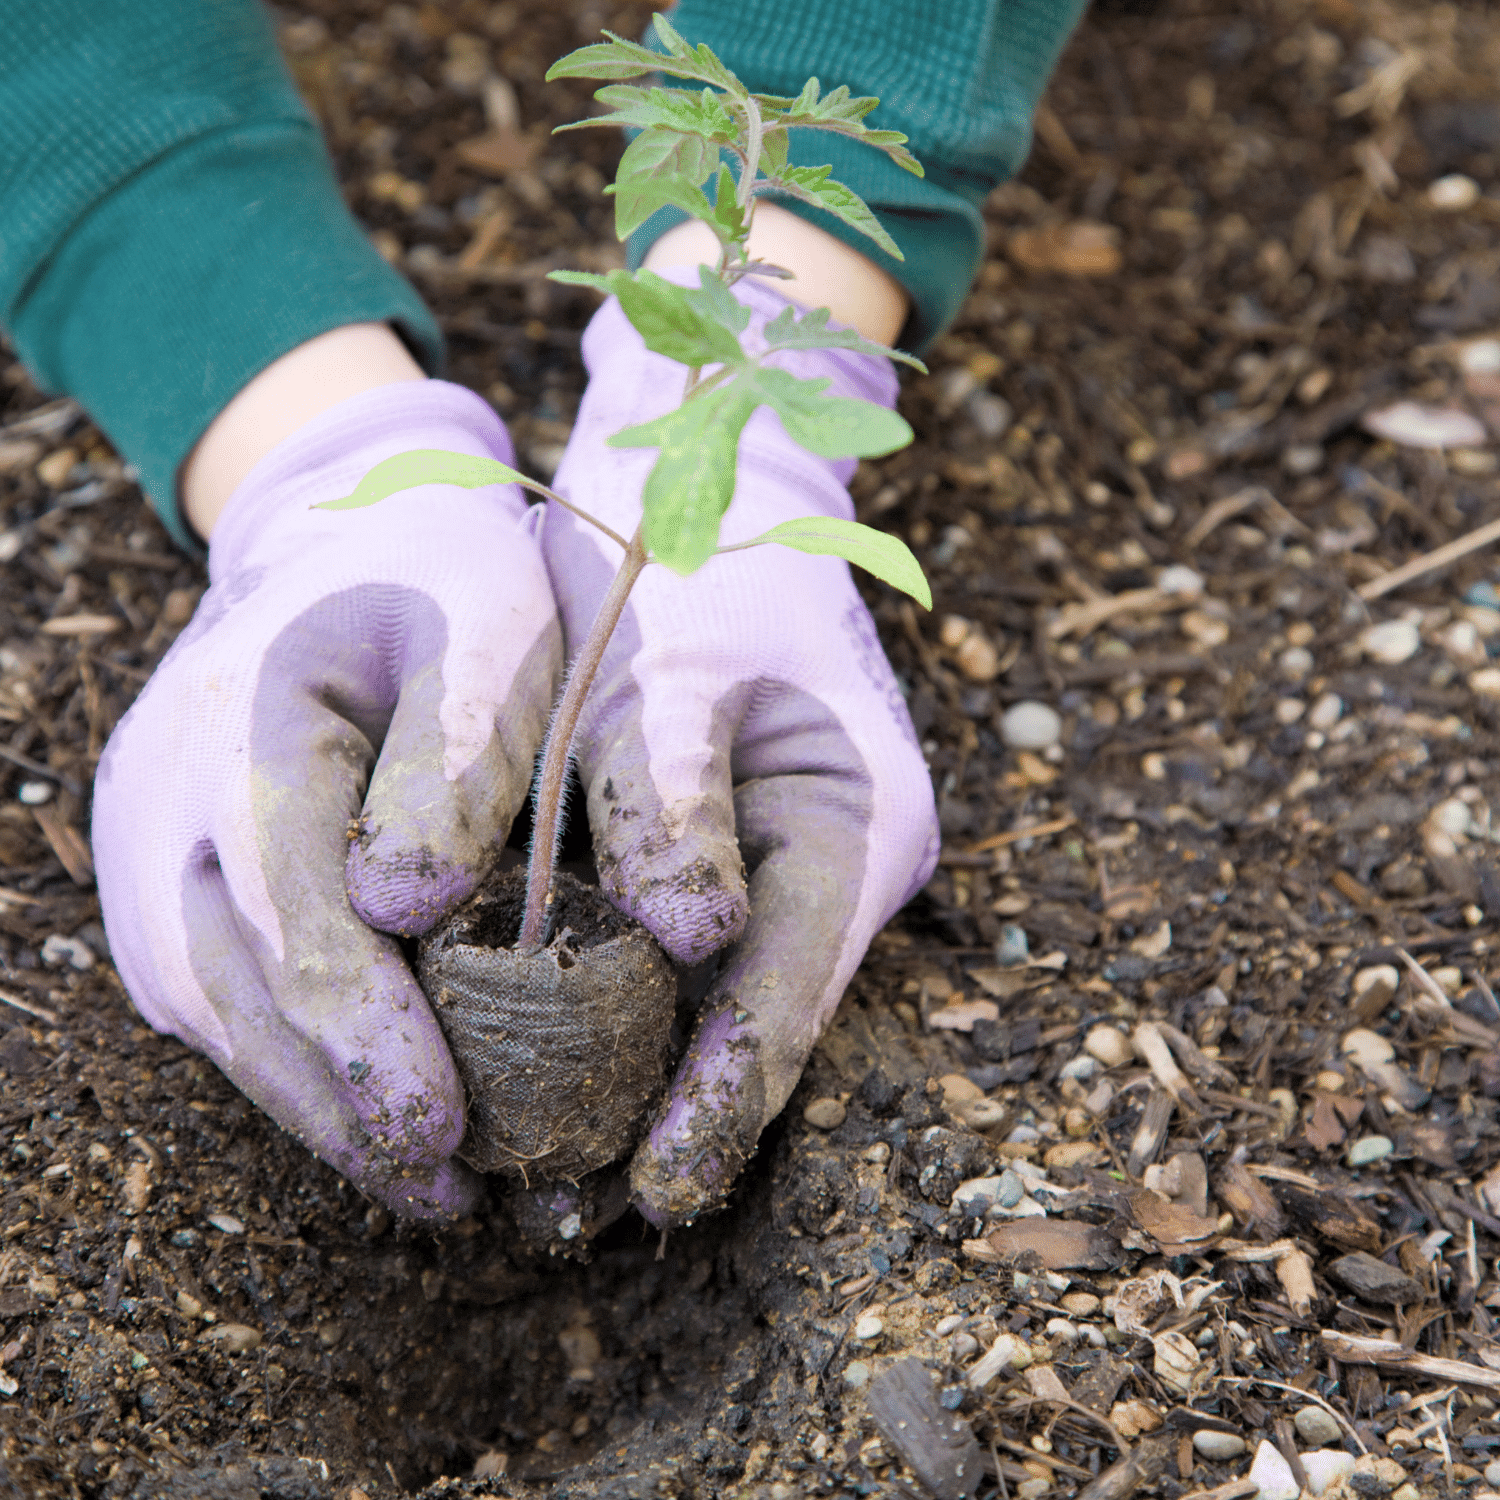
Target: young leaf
{"type": "Point", "coordinates": [787, 331]}
{"type": "Point", "coordinates": [665, 109]}
{"type": "Point", "coordinates": [718, 302]}
{"type": "Point", "coordinates": [830, 426]}
{"type": "Point", "coordinates": [637, 198]}
{"type": "Point", "coordinates": [728, 220]}
{"type": "Point", "coordinates": [877, 552]}
{"type": "Point", "coordinates": [692, 483]}
{"type": "Point", "coordinates": [814, 185]}
{"type": "Point", "coordinates": [842, 114]}
{"type": "Point", "coordinates": [684, 323]}
{"type": "Point", "coordinates": [424, 466]}
{"type": "Point", "coordinates": [618, 58]}
{"type": "Point", "coordinates": [661, 151]}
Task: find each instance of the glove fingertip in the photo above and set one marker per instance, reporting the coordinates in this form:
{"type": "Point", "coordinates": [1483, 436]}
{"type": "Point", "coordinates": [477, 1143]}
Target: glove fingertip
{"type": "Point", "coordinates": [406, 894]}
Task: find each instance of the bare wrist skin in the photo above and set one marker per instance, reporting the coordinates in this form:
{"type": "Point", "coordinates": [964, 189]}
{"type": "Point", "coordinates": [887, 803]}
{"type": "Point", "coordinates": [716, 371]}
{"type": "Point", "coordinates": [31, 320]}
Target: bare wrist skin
{"type": "Point", "coordinates": [289, 392]}
{"type": "Point", "coordinates": [828, 272]}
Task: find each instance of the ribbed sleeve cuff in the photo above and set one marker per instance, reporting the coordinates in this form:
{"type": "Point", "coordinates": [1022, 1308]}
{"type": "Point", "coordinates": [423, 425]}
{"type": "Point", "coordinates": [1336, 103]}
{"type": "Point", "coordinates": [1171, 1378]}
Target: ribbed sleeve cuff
{"type": "Point", "coordinates": [194, 275]}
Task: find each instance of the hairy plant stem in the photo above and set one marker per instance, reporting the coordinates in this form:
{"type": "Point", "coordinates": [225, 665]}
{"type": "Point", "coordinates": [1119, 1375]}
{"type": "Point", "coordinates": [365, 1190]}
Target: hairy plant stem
{"type": "Point", "coordinates": [560, 742]}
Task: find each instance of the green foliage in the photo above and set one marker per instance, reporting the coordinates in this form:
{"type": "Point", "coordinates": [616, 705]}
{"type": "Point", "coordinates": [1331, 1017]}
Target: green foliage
{"type": "Point", "coordinates": [877, 552]}
{"type": "Point", "coordinates": [686, 140]}
{"type": "Point", "coordinates": [426, 466]}
{"type": "Point", "coordinates": [692, 483]}
{"type": "Point", "coordinates": [811, 331]}
{"type": "Point", "coordinates": [729, 120]}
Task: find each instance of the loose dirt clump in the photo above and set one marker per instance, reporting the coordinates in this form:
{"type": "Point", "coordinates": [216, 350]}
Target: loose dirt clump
{"type": "Point", "coordinates": [1160, 1130]}
{"type": "Point", "coordinates": [562, 1051]}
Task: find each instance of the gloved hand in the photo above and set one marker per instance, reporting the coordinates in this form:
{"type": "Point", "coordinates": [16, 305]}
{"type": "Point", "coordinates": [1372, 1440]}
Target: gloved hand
{"type": "Point", "coordinates": [744, 713]}
{"type": "Point", "coordinates": [340, 737]}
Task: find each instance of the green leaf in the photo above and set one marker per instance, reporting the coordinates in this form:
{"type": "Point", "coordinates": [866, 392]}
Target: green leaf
{"type": "Point", "coordinates": [637, 198]}
{"type": "Point", "coordinates": [690, 486]}
{"type": "Point", "coordinates": [615, 58]}
{"type": "Point", "coordinates": [841, 113]}
{"type": "Point", "coordinates": [684, 323]}
{"type": "Point", "coordinates": [695, 62]}
{"type": "Point", "coordinates": [814, 185]}
{"type": "Point", "coordinates": [664, 151]}
{"type": "Point", "coordinates": [774, 146]}
{"type": "Point", "coordinates": [425, 466]}
{"type": "Point", "coordinates": [665, 109]}
{"type": "Point", "coordinates": [877, 552]}
{"type": "Point", "coordinates": [718, 302]}
{"type": "Point", "coordinates": [728, 219]}
{"type": "Point", "coordinates": [830, 426]}
{"type": "Point", "coordinates": [787, 331]}
{"type": "Point", "coordinates": [581, 278]}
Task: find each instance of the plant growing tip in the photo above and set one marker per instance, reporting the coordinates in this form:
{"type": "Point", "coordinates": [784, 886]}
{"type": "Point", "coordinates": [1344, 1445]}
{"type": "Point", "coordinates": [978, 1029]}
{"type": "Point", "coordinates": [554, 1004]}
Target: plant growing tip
{"type": "Point", "coordinates": [713, 153]}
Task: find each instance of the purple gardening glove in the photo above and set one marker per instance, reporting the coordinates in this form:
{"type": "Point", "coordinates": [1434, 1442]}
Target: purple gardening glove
{"type": "Point", "coordinates": [341, 737]}
{"type": "Point", "coordinates": [753, 778]}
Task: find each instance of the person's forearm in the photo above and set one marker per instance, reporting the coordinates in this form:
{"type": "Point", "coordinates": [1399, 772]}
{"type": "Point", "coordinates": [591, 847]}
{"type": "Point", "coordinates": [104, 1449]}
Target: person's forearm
{"type": "Point", "coordinates": [292, 390]}
{"type": "Point", "coordinates": [827, 272]}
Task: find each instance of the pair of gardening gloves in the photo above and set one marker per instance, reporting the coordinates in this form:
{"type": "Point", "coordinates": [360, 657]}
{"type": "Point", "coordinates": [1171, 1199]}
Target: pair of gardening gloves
{"type": "Point", "coordinates": [334, 749]}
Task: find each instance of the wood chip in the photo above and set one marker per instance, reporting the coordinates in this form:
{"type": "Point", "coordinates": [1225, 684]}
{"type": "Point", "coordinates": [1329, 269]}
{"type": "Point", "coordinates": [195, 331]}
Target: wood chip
{"type": "Point", "coordinates": [81, 625]}
{"type": "Point", "coordinates": [1176, 1229]}
{"type": "Point", "coordinates": [1151, 1132]}
{"type": "Point", "coordinates": [1061, 1244]}
{"type": "Point", "coordinates": [1374, 1280]}
{"type": "Point", "coordinates": [67, 843]}
{"type": "Point", "coordinates": [938, 1446]}
{"type": "Point", "coordinates": [1362, 1351]}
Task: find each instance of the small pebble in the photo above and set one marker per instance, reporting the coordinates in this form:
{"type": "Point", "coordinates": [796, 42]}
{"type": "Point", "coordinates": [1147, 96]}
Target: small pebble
{"type": "Point", "coordinates": [1061, 1328]}
{"type": "Point", "coordinates": [1012, 947]}
{"type": "Point", "coordinates": [965, 1347]}
{"type": "Point", "coordinates": [1296, 661]}
{"type": "Point", "coordinates": [952, 631]}
{"type": "Point", "coordinates": [1030, 725]}
{"type": "Point", "coordinates": [1452, 817]}
{"type": "Point", "coordinates": [856, 1375]}
{"type": "Point", "coordinates": [990, 413]}
{"type": "Point", "coordinates": [1289, 710]}
{"type": "Point", "coordinates": [1485, 682]}
{"type": "Point", "coordinates": [1369, 1149]}
{"type": "Point", "coordinates": [1325, 712]}
{"type": "Point", "coordinates": [1180, 579]}
{"type": "Point", "coordinates": [1366, 1047]}
{"type": "Point", "coordinates": [34, 793]}
{"type": "Point", "coordinates": [1492, 1472]}
{"type": "Point", "coordinates": [1482, 595]}
{"type": "Point", "coordinates": [1010, 1190]}
{"type": "Point", "coordinates": [1085, 1065]}
{"type": "Point", "coordinates": [1317, 1427]}
{"type": "Point", "coordinates": [1329, 1081]}
{"type": "Point", "coordinates": [1272, 1474]}
{"type": "Point", "coordinates": [226, 1223]}
{"type": "Point", "coordinates": [74, 952]}
{"type": "Point", "coordinates": [1110, 1045]}
{"type": "Point", "coordinates": [1302, 459]}
{"type": "Point", "coordinates": [977, 658]}
{"type": "Point", "coordinates": [951, 1324]}
{"type": "Point", "coordinates": [1206, 629]}
{"type": "Point", "coordinates": [1079, 1304]}
{"type": "Point", "coordinates": [1391, 641]}
{"type": "Point", "coordinates": [1326, 1469]}
{"type": "Point", "coordinates": [55, 468]}
{"type": "Point", "coordinates": [825, 1114]}
{"type": "Point", "coordinates": [1033, 1489]}
{"type": "Point", "coordinates": [1218, 1446]}
{"type": "Point", "coordinates": [233, 1338]}
{"type": "Point", "coordinates": [1416, 426]}
{"type": "Point", "coordinates": [1453, 193]}
{"type": "Point", "coordinates": [869, 1326]}
{"type": "Point", "coordinates": [1384, 976]}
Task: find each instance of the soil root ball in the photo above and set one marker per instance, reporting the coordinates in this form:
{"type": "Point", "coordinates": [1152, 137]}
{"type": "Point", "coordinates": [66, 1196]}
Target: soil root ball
{"type": "Point", "coordinates": [561, 1051]}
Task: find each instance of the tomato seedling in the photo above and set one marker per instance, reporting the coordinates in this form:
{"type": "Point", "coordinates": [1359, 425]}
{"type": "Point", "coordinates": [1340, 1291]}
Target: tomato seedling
{"type": "Point", "coordinates": [683, 139]}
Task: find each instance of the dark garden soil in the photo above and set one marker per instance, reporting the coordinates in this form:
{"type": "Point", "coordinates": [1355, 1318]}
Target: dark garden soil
{"type": "Point", "coordinates": [1225, 253]}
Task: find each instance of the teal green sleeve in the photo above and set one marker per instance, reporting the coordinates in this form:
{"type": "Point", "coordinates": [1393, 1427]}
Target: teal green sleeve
{"type": "Point", "coordinates": [960, 77]}
{"type": "Point", "coordinates": [169, 219]}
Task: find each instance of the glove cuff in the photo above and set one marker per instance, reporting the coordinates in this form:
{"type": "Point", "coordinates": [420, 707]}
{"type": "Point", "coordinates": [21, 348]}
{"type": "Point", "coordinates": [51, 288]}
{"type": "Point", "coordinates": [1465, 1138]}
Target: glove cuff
{"type": "Point", "coordinates": [328, 456]}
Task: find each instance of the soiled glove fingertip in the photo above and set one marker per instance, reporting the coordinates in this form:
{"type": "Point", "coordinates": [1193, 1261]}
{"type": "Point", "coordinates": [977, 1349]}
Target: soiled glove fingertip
{"type": "Point", "coordinates": [450, 1192]}
{"type": "Point", "coordinates": [692, 913]}
{"type": "Point", "coordinates": [407, 893]}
